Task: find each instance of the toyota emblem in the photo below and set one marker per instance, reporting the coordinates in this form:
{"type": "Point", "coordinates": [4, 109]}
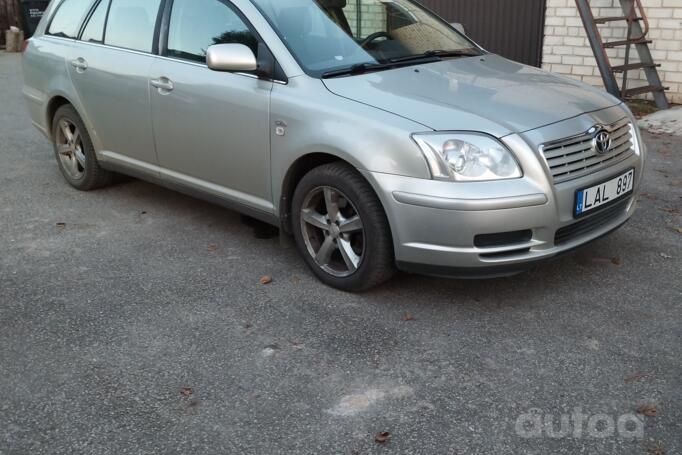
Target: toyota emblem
{"type": "Point", "coordinates": [602, 142]}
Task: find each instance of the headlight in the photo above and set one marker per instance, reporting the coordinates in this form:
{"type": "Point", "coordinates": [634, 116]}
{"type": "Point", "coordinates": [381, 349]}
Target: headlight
{"type": "Point", "coordinates": [467, 157]}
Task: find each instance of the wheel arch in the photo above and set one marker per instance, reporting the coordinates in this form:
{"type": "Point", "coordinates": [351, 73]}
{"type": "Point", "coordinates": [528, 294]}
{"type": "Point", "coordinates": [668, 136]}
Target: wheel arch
{"type": "Point", "coordinates": [53, 105]}
{"type": "Point", "coordinates": [297, 170]}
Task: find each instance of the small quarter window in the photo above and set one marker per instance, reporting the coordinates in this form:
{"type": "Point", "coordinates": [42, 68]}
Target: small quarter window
{"type": "Point", "coordinates": [67, 20]}
{"type": "Point", "coordinates": [94, 31]}
{"type": "Point", "coordinates": [197, 24]}
{"type": "Point", "coordinates": [131, 24]}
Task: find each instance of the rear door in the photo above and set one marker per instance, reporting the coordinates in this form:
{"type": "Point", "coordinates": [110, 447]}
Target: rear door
{"type": "Point", "coordinates": [110, 67]}
{"type": "Point", "coordinates": [211, 128]}
{"type": "Point", "coordinates": [45, 70]}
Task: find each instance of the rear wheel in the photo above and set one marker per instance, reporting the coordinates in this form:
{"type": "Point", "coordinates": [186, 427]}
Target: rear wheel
{"type": "Point", "coordinates": [341, 229]}
{"type": "Point", "coordinates": [75, 152]}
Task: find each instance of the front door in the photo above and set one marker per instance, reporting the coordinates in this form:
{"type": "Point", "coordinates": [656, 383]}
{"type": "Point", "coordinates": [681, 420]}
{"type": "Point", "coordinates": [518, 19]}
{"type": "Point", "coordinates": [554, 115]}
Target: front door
{"type": "Point", "coordinates": [211, 128]}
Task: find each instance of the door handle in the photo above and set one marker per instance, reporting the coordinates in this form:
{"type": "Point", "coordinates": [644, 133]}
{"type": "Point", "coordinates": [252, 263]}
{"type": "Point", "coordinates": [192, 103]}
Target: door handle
{"type": "Point", "coordinates": [163, 84]}
{"type": "Point", "coordinates": [80, 64]}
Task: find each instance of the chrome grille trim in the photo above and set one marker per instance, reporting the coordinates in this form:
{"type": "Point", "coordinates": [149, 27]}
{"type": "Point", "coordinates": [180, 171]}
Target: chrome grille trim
{"type": "Point", "coordinates": [574, 157]}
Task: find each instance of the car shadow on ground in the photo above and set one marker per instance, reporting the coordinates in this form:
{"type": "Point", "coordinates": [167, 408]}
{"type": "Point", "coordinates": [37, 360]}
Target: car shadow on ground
{"type": "Point", "coordinates": [600, 258]}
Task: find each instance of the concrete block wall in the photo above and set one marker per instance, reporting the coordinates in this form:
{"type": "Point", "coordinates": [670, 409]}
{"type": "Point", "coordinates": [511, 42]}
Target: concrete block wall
{"type": "Point", "coordinates": [567, 51]}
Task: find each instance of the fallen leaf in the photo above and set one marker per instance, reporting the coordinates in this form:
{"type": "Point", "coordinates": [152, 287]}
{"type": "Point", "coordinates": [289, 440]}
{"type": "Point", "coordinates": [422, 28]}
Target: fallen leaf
{"type": "Point", "coordinates": [648, 410]}
{"type": "Point", "coordinates": [678, 230]}
{"type": "Point", "coordinates": [266, 279]}
{"type": "Point", "coordinates": [61, 225]}
{"type": "Point", "coordinates": [382, 437]}
{"type": "Point", "coordinates": [408, 317]}
{"type": "Point", "coordinates": [297, 344]}
{"type": "Point", "coordinates": [636, 376]}
{"type": "Point", "coordinates": [670, 210]}
{"type": "Point", "coordinates": [615, 261]}
{"type": "Point", "coordinates": [186, 391]}
{"type": "Point", "coordinates": [296, 279]}
{"type": "Point", "coordinates": [212, 247]}
{"type": "Point", "coordinates": [656, 450]}
{"type": "Point", "coordinates": [648, 196]}
{"type": "Point", "coordinates": [666, 256]}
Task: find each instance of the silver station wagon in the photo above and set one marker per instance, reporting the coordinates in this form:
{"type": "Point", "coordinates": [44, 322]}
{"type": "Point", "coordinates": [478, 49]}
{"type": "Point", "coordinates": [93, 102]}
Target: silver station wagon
{"type": "Point", "coordinates": [372, 131]}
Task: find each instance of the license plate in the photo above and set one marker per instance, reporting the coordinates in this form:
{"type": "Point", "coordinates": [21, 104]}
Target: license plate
{"type": "Point", "coordinates": [597, 196]}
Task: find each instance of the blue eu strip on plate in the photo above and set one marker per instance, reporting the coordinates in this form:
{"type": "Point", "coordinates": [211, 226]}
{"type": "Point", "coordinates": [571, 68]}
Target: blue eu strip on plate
{"type": "Point", "coordinates": [579, 206]}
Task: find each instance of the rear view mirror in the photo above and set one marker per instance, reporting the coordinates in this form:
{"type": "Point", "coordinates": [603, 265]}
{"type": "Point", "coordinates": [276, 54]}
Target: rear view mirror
{"type": "Point", "coordinates": [231, 57]}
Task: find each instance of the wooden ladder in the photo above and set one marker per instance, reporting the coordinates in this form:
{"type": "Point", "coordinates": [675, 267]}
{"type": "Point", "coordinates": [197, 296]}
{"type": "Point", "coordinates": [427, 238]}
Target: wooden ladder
{"type": "Point", "coordinates": [637, 35]}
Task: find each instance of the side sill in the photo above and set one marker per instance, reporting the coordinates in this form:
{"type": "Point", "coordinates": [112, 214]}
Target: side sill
{"type": "Point", "coordinates": [189, 190]}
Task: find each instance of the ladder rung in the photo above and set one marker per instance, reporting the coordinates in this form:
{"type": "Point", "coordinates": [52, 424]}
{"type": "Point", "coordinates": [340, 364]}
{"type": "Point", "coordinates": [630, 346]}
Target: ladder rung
{"type": "Point", "coordinates": [624, 42]}
{"type": "Point", "coordinates": [604, 20]}
{"type": "Point", "coordinates": [634, 66]}
{"type": "Point", "coordinates": [645, 89]}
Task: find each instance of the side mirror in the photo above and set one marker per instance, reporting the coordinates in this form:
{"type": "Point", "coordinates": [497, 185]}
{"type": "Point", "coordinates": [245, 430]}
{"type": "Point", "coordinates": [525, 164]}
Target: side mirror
{"type": "Point", "coordinates": [231, 57]}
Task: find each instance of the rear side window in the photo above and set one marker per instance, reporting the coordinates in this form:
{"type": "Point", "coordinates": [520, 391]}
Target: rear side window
{"type": "Point", "coordinates": [131, 24]}
{"type": "Point", "coordinates": [197, 24]}
{"type": "Point", "coordinates": [67, 20]}
{"type": "Point", "coordinates": [94, 30]}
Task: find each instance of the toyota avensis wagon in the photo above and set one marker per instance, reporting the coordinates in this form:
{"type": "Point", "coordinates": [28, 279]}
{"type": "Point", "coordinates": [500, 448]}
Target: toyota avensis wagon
{"type": "Point", "coordinates": [371, 130]}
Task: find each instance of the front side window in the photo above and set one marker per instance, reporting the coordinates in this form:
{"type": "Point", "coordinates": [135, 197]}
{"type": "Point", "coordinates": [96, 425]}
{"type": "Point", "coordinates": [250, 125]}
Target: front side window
{"type": "Point", "coordinates": [326, 35]}
{"type": "Point", "coordinates": [131, 24]}
{"type": "Point", "coordinates": [197, 24]}
{"type": "Point", "coordinates": [67, 20]}
{"type": "Point", "coordinates": [94, 30]}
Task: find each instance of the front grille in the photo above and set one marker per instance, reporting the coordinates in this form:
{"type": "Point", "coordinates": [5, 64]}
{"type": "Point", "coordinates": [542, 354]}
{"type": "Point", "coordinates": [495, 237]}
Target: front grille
{"type": "Point", "coordinates": [575, 157]}
{"type": "Point", "coordinates": [591, 223]}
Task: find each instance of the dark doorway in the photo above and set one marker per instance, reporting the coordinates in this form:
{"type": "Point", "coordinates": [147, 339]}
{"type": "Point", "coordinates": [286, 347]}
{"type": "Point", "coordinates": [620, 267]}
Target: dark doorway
{"type": "Point", "coordinates": [511, 28]}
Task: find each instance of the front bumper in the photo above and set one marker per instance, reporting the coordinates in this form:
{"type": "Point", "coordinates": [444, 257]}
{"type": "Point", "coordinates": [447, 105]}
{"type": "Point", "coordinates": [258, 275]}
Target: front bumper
{"type": "Point", "coordinates": [435, 224]}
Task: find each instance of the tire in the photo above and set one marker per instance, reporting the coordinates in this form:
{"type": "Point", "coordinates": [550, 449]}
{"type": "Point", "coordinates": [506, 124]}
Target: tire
{"type": "Point", "coordinates": [361, 244]}
{"type": "Point", "coordinates": [76, 154]}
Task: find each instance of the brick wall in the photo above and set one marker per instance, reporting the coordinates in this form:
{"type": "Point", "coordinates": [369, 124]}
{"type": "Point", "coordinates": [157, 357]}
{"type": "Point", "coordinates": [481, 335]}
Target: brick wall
{"type": "Point", "coordinates": [567, 50]}
{"type": "Point", "coordinates": [372, 17]}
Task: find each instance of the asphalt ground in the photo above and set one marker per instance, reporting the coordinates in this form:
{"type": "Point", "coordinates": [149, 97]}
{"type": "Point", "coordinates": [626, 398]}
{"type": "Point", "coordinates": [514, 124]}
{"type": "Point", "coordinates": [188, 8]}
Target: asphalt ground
{"type": "Point", "coordinates": [133, 320]}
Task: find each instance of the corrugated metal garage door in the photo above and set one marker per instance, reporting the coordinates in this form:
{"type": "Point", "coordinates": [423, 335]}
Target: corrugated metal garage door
{"type": "Point", "coordinates": [512, 28]}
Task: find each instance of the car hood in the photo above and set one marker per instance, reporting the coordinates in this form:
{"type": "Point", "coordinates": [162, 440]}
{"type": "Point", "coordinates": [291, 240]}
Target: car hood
{"type": "Point", "coordinates": [488, 93]}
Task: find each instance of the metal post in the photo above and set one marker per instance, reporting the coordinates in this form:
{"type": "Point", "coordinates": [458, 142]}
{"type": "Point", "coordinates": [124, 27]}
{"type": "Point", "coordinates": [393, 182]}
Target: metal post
{"type": "Point", "coordinates": [610, 82]}
{"type": "Point", "coordinates": [358, 15]}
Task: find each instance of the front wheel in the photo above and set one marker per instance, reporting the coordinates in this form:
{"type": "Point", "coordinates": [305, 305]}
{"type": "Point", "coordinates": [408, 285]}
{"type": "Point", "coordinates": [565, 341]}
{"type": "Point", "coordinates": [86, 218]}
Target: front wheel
{"type": "Point", "coordinates": [341, 229]}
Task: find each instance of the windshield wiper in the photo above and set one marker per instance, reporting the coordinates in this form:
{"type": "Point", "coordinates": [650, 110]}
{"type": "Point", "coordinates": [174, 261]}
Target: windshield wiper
{"type": "Point", "coordinates": [438, 54]}
{"type": "Point", "coordinates": [426, 57]}
{"type": "Point", "coordinates": [359, 68]}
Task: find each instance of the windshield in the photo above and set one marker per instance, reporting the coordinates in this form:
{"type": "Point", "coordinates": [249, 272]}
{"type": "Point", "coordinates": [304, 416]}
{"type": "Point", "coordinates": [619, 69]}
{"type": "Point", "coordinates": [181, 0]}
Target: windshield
{"type": "Point", "coordinates": [329, 35]}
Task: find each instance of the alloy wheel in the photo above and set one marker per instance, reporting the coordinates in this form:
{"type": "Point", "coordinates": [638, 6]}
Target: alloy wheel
{"type": "Point", "coordinates": [333, 231]}
{"type": "Point", "coordinates": [70, 149]}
